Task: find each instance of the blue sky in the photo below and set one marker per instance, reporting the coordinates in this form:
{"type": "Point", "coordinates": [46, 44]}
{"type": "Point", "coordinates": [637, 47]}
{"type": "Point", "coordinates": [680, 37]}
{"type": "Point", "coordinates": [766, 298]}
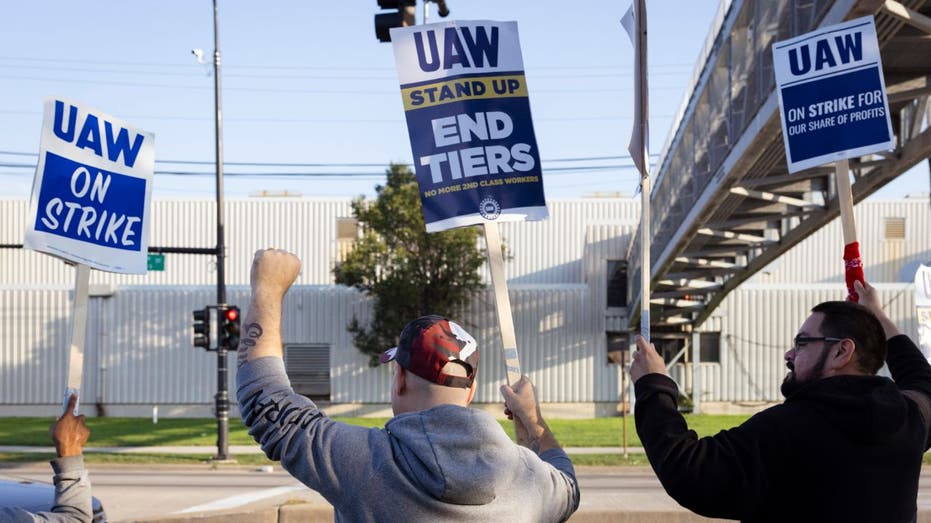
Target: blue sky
{"type": "Point", "coordinates": [307, 86]}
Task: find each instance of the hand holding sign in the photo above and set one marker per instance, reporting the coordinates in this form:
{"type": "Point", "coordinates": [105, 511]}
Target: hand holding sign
{"type": "Point", "coordinates": [475, 153]}
{"type": "Point", "coordinates": [89, 205]}
{"type": "Point", "coordinates": [833, 107]}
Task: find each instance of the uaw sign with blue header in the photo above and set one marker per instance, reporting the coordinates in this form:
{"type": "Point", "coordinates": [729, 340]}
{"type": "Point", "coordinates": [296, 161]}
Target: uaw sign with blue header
{"type": "Point", "coordinates": [91, 192]}
{"type": "Point", "coordinates": [832, 96]}
{"type": "Point", "coordinates": [468, 117]}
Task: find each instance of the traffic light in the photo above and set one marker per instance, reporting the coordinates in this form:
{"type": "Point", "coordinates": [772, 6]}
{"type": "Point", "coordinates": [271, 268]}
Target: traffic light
{"type": "Point", "coordinates": [401, 16]}
{"type": "Point", "coordinates": [206, 327]}
{"type": "Point", "coordinates": [202, 328]}
{"type": "Point", "coordinates": [231, 320]}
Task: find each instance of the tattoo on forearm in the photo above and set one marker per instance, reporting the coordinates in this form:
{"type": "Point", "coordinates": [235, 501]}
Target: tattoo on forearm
{"type": "Point", "coordinates": [253, 332]}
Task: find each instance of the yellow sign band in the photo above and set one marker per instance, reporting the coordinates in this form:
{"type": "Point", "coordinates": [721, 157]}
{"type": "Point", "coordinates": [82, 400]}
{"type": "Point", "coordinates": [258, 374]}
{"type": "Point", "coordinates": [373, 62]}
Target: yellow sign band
{"type": "Point", "coordinates": [478, 88]}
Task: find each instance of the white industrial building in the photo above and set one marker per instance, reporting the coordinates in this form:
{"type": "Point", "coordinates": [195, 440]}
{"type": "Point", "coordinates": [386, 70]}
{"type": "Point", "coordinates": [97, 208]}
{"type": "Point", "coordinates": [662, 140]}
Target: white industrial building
{"type": "Point", "coordinates": [138, 351]}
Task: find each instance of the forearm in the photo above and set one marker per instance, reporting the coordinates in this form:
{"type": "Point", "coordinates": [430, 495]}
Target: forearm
{"type": "Point", "coordinates": [72, 490]}
{"type": "Point", "coordinates": [908, 366]}
{"type": "Point", "coordinates": [683, 462]}
{"type": "Point", "coordinates": [537, 437]}
{"type": "Point", "coordinates": [262, 328]}
{"type": "Point", "coordinates": [889, 327]}
{"type": "Point", "coordinates": [330, 457]}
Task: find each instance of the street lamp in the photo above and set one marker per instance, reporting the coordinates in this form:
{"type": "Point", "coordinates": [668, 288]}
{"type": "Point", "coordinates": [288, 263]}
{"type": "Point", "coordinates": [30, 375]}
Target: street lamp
{"type": "Point", "coordinates": [221, 399]}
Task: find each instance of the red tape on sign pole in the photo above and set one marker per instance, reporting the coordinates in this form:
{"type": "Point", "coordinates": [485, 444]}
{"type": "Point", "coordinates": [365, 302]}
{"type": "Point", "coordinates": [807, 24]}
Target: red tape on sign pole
{"type": "Point", "coordinates": [853, 269]}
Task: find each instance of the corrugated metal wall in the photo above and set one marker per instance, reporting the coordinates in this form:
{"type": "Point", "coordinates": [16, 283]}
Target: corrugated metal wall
{"type": "Point", "coordinates": [819, 259]}
{"type": "Point", "coordinates": [139, 351]}
{"type": "Point", "coordinates": [552, 251]}
{"type": "Point", "coordinates": [757, 324]}
{"type": "Point", "coordinates": [546, 252]}
{"type": "Point", "coordinates": [139, 348]}
{"type": "Point", "coordinates": [306, 227]}
{"type": "Point", "coordinates": [541, 252]}
{"type": "Point", "coordinates": [604, 242]}
{"type": "Point", "coordinates": [34, 337]}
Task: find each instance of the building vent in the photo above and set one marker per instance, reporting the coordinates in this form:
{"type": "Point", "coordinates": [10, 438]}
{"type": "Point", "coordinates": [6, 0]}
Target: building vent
{"type": "Point", "coordinates": [308, 366]}
{"type": "Point", "coordinates": [895, 229]}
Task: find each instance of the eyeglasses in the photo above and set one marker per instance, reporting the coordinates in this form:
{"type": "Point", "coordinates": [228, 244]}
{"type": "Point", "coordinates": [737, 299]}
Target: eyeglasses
{"type": "Point", "coordinates": [801, 340]}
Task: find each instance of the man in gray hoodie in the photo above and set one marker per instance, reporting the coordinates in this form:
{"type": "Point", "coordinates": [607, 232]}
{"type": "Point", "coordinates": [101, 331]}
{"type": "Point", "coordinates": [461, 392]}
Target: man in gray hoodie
{"type": "Point", "coordinates": [435, 460]}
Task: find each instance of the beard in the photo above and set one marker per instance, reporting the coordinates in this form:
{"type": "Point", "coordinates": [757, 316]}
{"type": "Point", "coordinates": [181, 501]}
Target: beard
{"type": "Point", "coordinates": [791, 384]}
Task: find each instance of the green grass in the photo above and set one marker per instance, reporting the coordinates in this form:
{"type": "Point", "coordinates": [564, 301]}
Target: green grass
{"type": "Point", "coordinates": [610, 460]}
{"type": "Point", "coordinates": [131, 432]}
{"type": "Point", "coordinates": [134, 459]}
{"type": "Point", "coordinates": [140, 432]}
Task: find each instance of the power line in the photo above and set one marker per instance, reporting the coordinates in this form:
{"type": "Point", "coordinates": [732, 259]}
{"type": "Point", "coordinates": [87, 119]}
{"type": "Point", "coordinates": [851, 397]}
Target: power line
{"type": "Point", "coordinates": [391, 121]}
{"type": "Point", "coordinates": [290, 164]}
{"type": "Point", "coordinates": [265, 76]}
{"type": "Point", "coordinates": [187, 65]}
{"type": "Point", "coordinates": [301, 90]}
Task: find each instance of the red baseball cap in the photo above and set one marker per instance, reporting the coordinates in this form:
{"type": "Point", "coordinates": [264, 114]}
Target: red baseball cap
{"type": "Point", "coordinates": [428, 343]}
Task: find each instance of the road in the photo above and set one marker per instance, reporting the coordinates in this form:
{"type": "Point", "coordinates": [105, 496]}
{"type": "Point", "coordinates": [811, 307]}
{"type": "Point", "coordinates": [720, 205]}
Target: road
{"type": "Point", "coordinates": [131, 492]}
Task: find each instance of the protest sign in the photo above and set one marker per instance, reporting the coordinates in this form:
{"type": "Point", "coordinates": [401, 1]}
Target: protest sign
{"type": "Point", "coordinates": [832, 101]}
{"type": "Point", "coordinates": [468, 117]}
{"type": "Point", "coordinates": [475, 154]}
{"type": "Point", "coordinates": [91, 192]}
{"type": "Point", "coordinates": [832, 96]}
{"type": "Point", "coordinates": [90, 204]}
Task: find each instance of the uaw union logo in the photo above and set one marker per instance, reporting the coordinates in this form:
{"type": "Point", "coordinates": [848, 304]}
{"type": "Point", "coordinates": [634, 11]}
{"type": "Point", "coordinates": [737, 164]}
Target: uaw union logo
{"type": "Point", "coordinates": [489, 208]}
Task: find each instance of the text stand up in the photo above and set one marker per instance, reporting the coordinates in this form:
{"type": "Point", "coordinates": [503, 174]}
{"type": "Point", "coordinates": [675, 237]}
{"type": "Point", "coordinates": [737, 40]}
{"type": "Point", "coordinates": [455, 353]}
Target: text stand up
{"type": "Point", "coordinates": [78, 328]}
{"type": "Point", "coordinates": [502, 304]}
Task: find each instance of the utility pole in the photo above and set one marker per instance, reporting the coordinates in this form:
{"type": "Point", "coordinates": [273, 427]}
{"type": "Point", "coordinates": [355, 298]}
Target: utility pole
{"type": "Point", "coordinates": [222, 396]}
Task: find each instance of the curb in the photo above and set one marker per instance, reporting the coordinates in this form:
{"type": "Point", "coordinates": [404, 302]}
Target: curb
{"type": "Point", "coordinates": [317, 513]}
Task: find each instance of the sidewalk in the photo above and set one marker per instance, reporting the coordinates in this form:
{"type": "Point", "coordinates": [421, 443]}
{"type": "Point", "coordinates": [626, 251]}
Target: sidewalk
{"type": "Point", "coordinates": [637, 500]}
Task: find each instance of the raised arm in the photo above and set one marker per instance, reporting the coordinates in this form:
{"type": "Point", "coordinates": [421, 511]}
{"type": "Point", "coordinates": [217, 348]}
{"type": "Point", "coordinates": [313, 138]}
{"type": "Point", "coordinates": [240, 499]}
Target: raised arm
{"type": "Point", "coordinates": [870, 300]}
{"type": "Point", "coordinates": [908, 366]}
{"type": "Point", "coordinates": [321, 453]}
{"type": "Point", "coordinates": [531, 430]}
{"type": "Point", "coordinates": [273, 273]}
{"type": "Point", "coordinates": [716, 476]}
{"type": "Point", "coordinates": [72, 488]}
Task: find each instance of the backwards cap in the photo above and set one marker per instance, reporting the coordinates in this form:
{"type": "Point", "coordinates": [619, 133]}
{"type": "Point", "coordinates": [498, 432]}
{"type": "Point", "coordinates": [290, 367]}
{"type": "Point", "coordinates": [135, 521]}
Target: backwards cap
{"type": "Point", "coordinates": [428, 343]}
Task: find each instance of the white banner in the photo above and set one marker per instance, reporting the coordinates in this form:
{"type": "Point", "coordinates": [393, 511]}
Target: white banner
{"type": "Point", "coordinates": [832, 95]}
{"type": "Point", "coordinates": [91, 192]}
{"type": "Point", "coordinates": [468, 117]}
{"type": "Point", "coordinates": [923, 308]}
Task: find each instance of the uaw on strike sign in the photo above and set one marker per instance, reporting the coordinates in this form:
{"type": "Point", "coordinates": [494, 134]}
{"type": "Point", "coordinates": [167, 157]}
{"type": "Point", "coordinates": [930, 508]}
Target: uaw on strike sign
{"type": "Point", "coordinates": [832, 95]}
{"type": "Point", "coordinates": [468, 116]}
{"type": "Point", "coordinates": [90, 196]}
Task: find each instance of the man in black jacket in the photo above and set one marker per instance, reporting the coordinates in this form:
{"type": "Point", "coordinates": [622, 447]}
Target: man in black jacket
{"type": "Point", "coordinates": [846, 445]}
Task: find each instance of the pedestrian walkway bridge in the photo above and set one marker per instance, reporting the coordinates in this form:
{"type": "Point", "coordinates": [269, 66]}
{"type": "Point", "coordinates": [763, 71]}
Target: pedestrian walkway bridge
{"type": "Point", "coordinates": [723, 202]}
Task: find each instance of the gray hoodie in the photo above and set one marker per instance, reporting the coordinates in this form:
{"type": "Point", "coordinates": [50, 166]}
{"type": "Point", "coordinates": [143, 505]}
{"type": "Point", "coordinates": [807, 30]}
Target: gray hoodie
{"type": "Point", "coordinates": [72, 502]}
{"type": "Point", "coordinates": [446, 463]}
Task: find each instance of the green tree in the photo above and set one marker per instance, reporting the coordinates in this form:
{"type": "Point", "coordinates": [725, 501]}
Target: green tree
{"type": "Point", "coordinates": [408, 272]}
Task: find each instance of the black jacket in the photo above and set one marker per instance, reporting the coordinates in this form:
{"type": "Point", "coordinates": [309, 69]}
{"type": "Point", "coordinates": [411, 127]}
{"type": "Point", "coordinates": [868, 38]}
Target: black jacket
{"type": "Point", "coordinates": [845, 448]}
